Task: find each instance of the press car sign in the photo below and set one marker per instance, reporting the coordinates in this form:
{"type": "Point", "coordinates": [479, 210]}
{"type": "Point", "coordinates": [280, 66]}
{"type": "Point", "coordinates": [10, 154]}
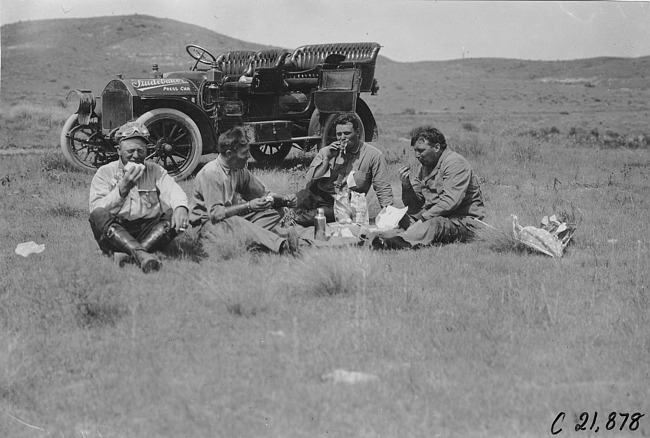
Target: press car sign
{"type": "Point", "coordinates": [164, 86]}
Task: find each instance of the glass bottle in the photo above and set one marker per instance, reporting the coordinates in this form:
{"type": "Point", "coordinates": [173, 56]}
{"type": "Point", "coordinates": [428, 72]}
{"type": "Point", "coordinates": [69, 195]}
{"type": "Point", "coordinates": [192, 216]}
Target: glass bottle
{"type": "Point", "coordinates": [320, 223]}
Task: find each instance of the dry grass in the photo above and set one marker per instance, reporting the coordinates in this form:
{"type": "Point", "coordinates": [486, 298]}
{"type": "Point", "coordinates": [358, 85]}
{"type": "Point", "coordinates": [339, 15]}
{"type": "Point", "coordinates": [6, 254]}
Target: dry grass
{"type": "Point", "coordinates": [478, 339]}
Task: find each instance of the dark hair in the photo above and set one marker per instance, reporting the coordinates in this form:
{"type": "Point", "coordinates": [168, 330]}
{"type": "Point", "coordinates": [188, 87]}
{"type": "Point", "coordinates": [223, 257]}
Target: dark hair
{"type": "Point", "coordinates": [430, 135]}
{"type": "Point", "coordinates": [413, 133]}
{"type": "Point", "coordinates": [232, 139]}
{"type": "Point", "coordinates": [344, 119]}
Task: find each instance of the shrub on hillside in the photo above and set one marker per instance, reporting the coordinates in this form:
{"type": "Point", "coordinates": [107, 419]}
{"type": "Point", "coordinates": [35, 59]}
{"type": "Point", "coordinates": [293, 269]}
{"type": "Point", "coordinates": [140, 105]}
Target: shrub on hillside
{"type": "Point", "coordinates": [470, 127]}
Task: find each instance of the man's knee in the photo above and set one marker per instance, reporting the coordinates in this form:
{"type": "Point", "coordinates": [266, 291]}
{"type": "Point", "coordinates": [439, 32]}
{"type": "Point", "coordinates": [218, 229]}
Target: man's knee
{"type": "Point", "coordinates": [447, 230]}
{"type": "Point", "coordinates": [100, 221]}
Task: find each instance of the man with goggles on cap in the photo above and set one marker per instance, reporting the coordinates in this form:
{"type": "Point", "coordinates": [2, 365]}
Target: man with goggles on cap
{"type": "Point", "coordinates": [126, 203]}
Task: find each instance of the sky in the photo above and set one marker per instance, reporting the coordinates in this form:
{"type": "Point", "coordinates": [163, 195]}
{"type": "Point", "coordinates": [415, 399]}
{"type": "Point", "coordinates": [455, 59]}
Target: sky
{"type": "Point", "coordinates": [407, 30]}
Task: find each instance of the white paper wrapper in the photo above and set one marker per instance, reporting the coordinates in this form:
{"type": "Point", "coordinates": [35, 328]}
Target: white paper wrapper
{"type": "Point", "coordinates": [27, 248]}
{"type": "Point", "coordinates": [349, 377]}
{"type": "Point", "coordinates": [389, 217]}
{"type": "Point", "coordinates": [551, 238]}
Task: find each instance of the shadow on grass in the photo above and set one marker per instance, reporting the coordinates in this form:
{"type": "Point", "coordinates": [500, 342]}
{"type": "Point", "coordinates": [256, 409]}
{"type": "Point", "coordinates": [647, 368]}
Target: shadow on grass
{"type": "Point", "coordinates": [94, 308]}
{"type": "Point", "coordinates": [187, 246]}
{"type": "Point", "coordinates": [501, 242]}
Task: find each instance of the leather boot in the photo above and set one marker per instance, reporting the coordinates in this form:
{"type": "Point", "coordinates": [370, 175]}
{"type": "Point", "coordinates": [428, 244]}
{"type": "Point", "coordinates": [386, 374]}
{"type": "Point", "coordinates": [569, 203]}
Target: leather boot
{"type": "Point", "coordinates": [121, 239]}
{"type": "Point", "coordinates": [159, 237]}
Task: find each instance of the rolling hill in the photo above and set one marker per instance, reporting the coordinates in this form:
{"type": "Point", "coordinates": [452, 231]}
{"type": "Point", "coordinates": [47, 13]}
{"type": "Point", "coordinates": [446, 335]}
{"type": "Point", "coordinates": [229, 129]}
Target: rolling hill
{"type": "Point", "coordinates": [43, 60]}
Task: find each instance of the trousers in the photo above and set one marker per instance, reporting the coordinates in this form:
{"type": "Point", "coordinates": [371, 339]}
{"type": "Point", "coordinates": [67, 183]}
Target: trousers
{"type": "Point", "coordinates": [254, 228]}
{"type": "Point", "coordinates": [101, 220]}
{"type": "Point", "coordinates": [308, 205]}
{"type": "Point", "coordinates": [435, 230]}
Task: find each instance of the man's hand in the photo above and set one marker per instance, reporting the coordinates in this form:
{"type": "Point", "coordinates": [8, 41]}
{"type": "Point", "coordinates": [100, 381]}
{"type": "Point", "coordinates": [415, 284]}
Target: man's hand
{"type": "Point", "coordinates": [261, 204]}
{"type": "Point", "coordinates": [179, 219]}
{"type": "Point", "coordinates": [333, 150]}
{"type": "Point", "coordinates": [130, 179]}
{"type": "Point", "coordinates": [290, 200]}
{"type": "Point", "coordinates": [405, 174]}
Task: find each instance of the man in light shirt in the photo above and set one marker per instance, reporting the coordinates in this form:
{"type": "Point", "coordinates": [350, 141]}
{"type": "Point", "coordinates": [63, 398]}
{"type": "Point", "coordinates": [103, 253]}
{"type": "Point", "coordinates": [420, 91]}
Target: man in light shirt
{"type": "Point", "coordinates": [136, 207]}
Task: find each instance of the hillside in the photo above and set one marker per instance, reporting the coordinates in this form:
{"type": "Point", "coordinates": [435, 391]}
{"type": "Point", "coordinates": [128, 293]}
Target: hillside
{"type": "Point", "coordinates": [43, 60]}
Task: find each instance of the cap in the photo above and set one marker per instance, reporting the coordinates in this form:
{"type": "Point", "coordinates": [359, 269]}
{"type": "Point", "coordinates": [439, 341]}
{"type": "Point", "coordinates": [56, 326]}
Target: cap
{"type": "Point", "coordinates": [132, 130]}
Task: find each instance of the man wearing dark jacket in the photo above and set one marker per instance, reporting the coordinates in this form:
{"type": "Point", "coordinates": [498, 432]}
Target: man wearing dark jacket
{"type": "Point", "coordinates": [442, 200]}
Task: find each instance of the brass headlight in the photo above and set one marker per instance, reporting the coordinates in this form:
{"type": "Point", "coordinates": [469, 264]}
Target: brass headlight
{"type": "Point", "coordinates": [81, 102]}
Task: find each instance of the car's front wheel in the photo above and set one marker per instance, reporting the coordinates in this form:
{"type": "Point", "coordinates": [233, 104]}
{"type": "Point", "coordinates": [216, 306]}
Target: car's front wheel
{"type": "Point", "coordinates": [177, 143]}
{"type": "Point", "coordinates": [84, 146]}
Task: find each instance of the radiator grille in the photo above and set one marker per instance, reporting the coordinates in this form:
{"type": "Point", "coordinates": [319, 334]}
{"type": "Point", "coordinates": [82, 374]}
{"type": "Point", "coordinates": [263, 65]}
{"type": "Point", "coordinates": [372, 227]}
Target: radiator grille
{"type": "Point", "coordinates": [117, 105]}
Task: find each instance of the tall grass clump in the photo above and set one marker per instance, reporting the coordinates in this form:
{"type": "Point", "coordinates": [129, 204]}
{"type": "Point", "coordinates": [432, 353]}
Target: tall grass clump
{"type": "Point", "coordinates": [470, 146]}
{"type": "Point", "coordinates": [31, 126]}
{"type": "Point", "coordinates": [342, 271]}
{"type": "Point", "coordinates": [34, 114]}
{"type": "Point", "coordinates": [525, 150]}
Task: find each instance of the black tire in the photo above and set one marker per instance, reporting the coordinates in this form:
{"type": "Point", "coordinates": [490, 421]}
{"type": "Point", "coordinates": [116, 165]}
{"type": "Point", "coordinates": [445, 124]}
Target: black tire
{"type": "Point", "coordinates": [84, 146]}
{"type": "Point", "coordinates": [272, 153]}
{"type": "Point", "coordinates": [177, 143]}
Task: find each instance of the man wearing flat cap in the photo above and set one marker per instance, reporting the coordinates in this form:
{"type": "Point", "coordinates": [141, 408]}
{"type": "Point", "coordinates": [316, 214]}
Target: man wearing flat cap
{"type": "Point", "coordinates": [136, 207]}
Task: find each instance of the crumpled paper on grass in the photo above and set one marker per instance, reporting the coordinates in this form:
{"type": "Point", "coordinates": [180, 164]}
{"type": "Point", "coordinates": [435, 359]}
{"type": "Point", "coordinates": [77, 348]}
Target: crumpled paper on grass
{"type": "Point", "coordinates": [350, 377]}
{"type": "Point", "coordinates": [389, 217]}
{"type": "Point", "coordinates": [26, 248]}
{"type": "Point", "coordinates": [551, 237]}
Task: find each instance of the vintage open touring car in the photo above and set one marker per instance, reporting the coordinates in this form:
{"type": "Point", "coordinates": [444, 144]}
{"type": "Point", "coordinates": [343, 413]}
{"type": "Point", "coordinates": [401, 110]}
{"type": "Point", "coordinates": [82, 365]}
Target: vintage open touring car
{"type": "Point", "coordinates": [282, 99]}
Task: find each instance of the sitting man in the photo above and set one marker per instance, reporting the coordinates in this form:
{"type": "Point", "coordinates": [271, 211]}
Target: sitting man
{"type": "Point", "coordinates": [216, 203]}
{"type": "Point", "coordinates": [126, 215]}
{"type": "Point", "coordinates": [442, 200]}
{"type": "Point", "coordinates": [331, 167]}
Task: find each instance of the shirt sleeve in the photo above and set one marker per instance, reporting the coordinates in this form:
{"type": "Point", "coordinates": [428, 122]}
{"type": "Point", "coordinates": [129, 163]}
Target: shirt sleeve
{"type": "Point", "coordinates": [455, 181]}
{"type": "Point", "coordinates": [317, 161]}
{"type": "Point", "coordinates": [170, 192]}
{"type": "Point", "coordinates": [412, 196]}
{"type": "Point", "coordinates": [208, 198]}
{"type": "Point", "coordinates": [249, 186]}
{"type": "Point", "coordinates": [105, 192]}
{"type": "Point", "coordinates": [381, 181]}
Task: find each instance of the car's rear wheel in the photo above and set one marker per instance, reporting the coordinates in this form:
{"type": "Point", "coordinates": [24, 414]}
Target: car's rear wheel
{"type": "Point", "coordinates": [272, 153]}
{"type": "Point", "coordinates": [177, 143]}
{"type": "Point", "coordinates": [84, 146]}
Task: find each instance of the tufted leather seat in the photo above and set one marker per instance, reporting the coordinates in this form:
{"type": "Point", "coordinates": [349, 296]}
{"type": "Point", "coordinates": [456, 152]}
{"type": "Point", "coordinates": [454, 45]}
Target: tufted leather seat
{"type": "Point", "coordinates": [264, 62]}
{"type": "Point", "coordinates": [234, 63]}
{"type": "Point", "coordinates": [272, 58]}
{"type": "Point", "coordinates": [304, 65]}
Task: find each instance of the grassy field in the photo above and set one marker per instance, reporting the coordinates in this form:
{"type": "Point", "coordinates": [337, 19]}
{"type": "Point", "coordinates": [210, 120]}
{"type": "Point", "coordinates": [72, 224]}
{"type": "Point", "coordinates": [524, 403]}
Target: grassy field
{"type": "Point", "coordinates": [478, 339]}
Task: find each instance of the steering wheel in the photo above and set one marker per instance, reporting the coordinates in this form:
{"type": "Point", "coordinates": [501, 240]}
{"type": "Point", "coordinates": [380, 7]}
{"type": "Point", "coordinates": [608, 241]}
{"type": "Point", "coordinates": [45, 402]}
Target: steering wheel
{"type": "Point", "coordinates": [200, 54]}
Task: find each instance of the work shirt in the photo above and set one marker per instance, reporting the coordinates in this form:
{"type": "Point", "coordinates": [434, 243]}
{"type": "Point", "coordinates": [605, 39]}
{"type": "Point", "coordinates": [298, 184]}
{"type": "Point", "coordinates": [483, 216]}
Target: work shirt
{"type": "Point", "coordinates": [450, 189]}
{"type": "Point", "coordinates": [217, 186]}
{"type": "Point", "coordinates": [143, 200]}
{"type": "Point", "coordinates": [369, 166]}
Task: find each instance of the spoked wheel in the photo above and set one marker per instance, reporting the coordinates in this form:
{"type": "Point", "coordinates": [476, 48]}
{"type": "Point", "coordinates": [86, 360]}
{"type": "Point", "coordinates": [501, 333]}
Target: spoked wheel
{"type": "Point", "coordinates": [84, 146]}
{"type": "Point", "coordinates": [272, 153]}
{"type": "Point", "coordinates": [176, 141]}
